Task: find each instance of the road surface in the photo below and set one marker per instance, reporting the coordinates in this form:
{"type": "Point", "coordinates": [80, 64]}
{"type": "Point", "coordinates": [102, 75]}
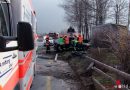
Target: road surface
{"type": "Point", "coordinates": [53, 75]}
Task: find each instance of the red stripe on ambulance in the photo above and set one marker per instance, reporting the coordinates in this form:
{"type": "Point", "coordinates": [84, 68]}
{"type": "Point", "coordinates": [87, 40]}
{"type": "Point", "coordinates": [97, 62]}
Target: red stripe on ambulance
{"type": "Point", "coordinates": [25, 64]}
{"type": "Point", "coordinates": [12, 82]}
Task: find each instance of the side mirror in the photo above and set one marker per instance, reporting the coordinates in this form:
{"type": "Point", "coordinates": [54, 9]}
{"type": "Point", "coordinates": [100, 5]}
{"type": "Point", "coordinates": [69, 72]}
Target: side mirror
{"type": "Point", "coordinates": [25, 36]}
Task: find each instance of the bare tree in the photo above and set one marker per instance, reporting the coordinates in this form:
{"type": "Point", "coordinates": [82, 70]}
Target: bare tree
{"type": "Point", "coordinates": [73, 12]}
{"type": "Point", "coordinates": [117, 39]}
{"type": "Point", "coordinates": [120, 11]}
{"type": "Point", "coordinates": [85, 14]}
{"type": "Point", "coordinates": [102, 7]}
{"type": "Point", "coordinates": [120, 45]}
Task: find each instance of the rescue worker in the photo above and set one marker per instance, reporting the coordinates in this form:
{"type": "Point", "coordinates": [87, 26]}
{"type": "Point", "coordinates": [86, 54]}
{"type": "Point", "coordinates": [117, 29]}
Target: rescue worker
{"type": "Point", "coordinates": [56, 44]}
{"type": "Point", "coordinates": [71, 44]}
{"type": "Point", "coordinates": [47, 37]}
{"type": "Point", "coordinates": [66, 42]}
{"type": "Point", "coordinates": [75, 42]}
{"type": "Point", "coordinates": [47, 44]}
{"type": "Point", "coordinates": [61, 43]}
{"type": "Point", "coordinates": [80, 41]}
{"type": "Point", "coordinates": [71, 31]}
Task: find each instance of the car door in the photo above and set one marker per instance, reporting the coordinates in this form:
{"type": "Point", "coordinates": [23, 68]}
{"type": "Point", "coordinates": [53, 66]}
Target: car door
{"type": "Point", "coordinates": [8, 59]}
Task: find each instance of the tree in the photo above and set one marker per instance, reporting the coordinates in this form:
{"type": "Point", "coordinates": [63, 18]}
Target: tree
{"type": "Point", "coordinates": [85, 14]}
{"type": "Point", "coordinates": [102, 7]}
{"type": "Point", "coordinates": [120, 11]}
{"type": "Point", "coordinates": [117, 39]}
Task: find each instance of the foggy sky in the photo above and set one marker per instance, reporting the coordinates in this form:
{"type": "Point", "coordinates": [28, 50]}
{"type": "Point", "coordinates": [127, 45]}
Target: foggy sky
{"type": "Point", "coordinates": [50, 16]}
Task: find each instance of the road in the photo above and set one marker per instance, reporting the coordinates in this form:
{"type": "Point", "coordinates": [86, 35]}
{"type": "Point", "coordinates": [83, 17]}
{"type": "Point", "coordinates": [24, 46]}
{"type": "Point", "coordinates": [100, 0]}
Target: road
{"type": "Point", "coordinates": [53, 75]}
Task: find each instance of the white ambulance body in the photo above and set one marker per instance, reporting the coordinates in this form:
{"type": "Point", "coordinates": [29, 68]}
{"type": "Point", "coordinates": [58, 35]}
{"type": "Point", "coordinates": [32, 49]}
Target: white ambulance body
{"type": "Point", "coordinates": [17, 32]}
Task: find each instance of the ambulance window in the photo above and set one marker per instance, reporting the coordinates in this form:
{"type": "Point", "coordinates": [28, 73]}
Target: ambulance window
{"type": "Point", "coordinates": [4, 20]}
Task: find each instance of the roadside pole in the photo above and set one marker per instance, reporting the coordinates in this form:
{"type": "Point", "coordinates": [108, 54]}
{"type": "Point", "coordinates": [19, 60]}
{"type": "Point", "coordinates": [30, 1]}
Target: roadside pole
{"type": "Point", "coordinates": [56, 58]}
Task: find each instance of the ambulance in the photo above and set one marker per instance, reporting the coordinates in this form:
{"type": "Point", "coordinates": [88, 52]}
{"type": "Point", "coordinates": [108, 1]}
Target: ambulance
{"type": "Point", "coordinates": [17, 44]}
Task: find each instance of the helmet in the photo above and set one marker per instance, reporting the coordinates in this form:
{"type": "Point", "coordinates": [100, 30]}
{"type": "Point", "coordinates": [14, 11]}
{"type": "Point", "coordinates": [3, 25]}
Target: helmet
{"type": "Point", "coordinates": [65, 35]}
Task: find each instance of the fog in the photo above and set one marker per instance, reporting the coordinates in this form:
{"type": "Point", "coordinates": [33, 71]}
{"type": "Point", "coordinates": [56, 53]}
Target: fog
{"type": "Point", "coordinates": [50, 16]}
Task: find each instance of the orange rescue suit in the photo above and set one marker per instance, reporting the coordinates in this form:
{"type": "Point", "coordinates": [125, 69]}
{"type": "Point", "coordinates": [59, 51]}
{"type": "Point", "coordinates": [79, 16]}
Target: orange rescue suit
{"type": "Point", "coordinates": [47, 38]}
{"type": "Point", "coordinates": [66, 40]}
{"type": "Point", "coordinates": [80, 39]}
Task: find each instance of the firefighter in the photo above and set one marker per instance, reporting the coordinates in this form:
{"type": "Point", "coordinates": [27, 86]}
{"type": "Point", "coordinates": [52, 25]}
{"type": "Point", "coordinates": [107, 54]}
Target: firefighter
{"type": "Point", "coordinates": [47, 44]}
{"type": "Point", "coordinates": [47, 37]}
{"type": "Point", "coordinates": [56, 44]}
{"type": "Point", "coordinates": [71, 43]}
{"type": "Point", "coordinates": [66, 42]}
{"type": "Point", "coordinates": [61, 43]}
{"type": "Point", "coordinates": [80, 41]}
{"type": "Point", "coordinates": [75, 42]}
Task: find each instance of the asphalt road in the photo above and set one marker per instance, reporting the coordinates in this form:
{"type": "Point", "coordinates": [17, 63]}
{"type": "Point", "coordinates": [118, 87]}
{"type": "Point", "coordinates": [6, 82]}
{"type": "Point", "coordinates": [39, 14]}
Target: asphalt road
{"type": "Point", "coordinates": [48, 83]}
{"type": "Point", "coordinates": [53, 75]}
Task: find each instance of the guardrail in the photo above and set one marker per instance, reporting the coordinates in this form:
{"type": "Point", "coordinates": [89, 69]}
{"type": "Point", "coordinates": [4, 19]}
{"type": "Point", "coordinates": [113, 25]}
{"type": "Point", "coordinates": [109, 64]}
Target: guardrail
{"type": "Point", "coordinates": [97, 64]}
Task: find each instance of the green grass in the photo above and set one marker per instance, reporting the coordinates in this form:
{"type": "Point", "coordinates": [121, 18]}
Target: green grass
{"type": "Point", "coordinates": [111, 60]}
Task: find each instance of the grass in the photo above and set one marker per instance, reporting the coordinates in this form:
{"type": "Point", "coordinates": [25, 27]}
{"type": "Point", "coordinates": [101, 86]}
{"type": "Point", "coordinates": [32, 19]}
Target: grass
{"type": "Point", "coordinates": [105, 82]}
{"type": "Point", "coordinates": [104, 57]}
{"type": "Point", "coordinates": [108, 58]}
{"type": "Point", "coordinates": [111, 60]}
